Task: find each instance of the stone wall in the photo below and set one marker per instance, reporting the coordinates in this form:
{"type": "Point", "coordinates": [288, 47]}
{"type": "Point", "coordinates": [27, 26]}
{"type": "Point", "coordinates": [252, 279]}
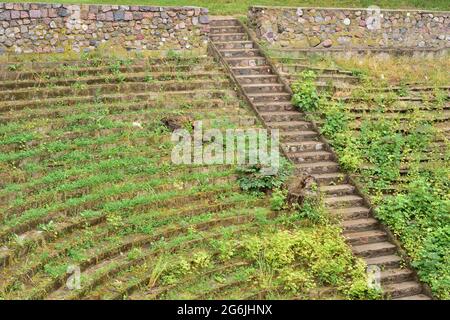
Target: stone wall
{"type": "Point", "coordinates": [328, 27]}
{"type": "Point", "coordinates": [28, 27]}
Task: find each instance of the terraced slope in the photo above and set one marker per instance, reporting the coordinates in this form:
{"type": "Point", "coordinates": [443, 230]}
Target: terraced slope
{"type": "Point", "coordinates": [86, 181]}
{"type": "Point", "coordinates": [306, 148]}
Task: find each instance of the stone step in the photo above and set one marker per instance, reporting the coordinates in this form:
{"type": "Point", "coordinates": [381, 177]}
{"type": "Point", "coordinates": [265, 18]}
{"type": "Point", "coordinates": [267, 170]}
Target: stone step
{"type": "Point", "coordinates": [375, 249]}
{"type": "Point", "coordinates": [282, 116]}
{"type": "Point", "coordinates": [344, 201]}
{"type": "Point", "coordinates": [384, 262]}
{"type": "Point", "coordinates": [115, 97]}
{"type": "Point", "coordinates": [234, 45]}
{"type": "Point", "coordinates": [228, 53]}
{"type": "Point", "coordinates": [246, 61]}
{"type": "Point", "coordinates": [62, 73]}
{"type": "Point", "coordinates": [269, 97]}
{"type": "Point", "coordinates": [329, 178]}
{"type": "Point", "coordinates": [359, 225]}
{"type": "Point", "coordinates": [311, 156]}
{"type": "Point", "coordinates": [352, 212]}
{"type": "Point", "coordinates": [402, 289]}
{"type": "Point", "coordinates": [295, 68]}
{"type": "Point", "coordinates": [317, 167]}
{"type": "Point", "coordinates": [257, 78]}
{"type": "Point", "coordinates": [263, 87]}
{"type": "Point", "coordinates": [303, 146]}
{"type": "Point", "coordinates": [275, 106]}
{"type": "Point", "coordinates": [365, 237]}
{"type": "Point", "coordinates": [48, 65]}
{"type": "Point", "coordinates": [414, 297]}
{"type": "Point", "coordinates": [298, 136]}
{"type": "Point", "coordinates": [290, 125]}
{"type": "Point", "coordinates": [324, 78]}
{"type": "Point", "coordinates": [396, 275]}
{"type": "Point", "coordinates": [216, 22]}
{"type": "Point", "coordinates": [339, 189]}
{"type": "Point", "coordinates": [108, 79]}
{"type": "Point", "coordinates": [93, 90]}
{"type": "Point", "coordinates": [226, 29]}
{"type": "Point", "coordinates": [228, 37]}
{"type": "Point", "coordinates": [251, 70]}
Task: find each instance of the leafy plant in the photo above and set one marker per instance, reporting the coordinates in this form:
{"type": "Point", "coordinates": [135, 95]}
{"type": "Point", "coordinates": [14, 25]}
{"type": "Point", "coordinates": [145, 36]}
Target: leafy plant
{"type": "Point", "coordinates": [278, 199]}
{"type": "Point", "coordinates": [305, 96]}
{"type": "Point", "coordinates": [255, 178]}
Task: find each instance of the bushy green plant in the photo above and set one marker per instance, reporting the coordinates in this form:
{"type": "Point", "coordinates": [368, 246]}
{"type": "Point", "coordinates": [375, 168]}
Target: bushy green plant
{"type": "Point", "coordinates": [336, 119]}
{"type": "Point", "coordinates": [419, 216]}
{"type": "Point", "coordinates": [313, 209]}
{"type": "Point", "coordinates": [278, 200]}
{"type": "Point", "coordinates": [254, 178]}
{"type": "Point", "coordinates": [305, 96]}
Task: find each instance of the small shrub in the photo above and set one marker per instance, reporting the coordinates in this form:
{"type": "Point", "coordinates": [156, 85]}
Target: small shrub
{"type": "Point", "coordinates": [278, 200]}
{"type": "Point", "coordinates": [253, 178]}
{"type": "Point", "coordinates": [305, 96]}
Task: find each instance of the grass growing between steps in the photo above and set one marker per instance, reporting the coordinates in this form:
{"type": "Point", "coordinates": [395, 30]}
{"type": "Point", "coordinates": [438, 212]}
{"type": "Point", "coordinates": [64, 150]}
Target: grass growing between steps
{"type": "Point", "coordinates": [90, 184]}
{"type": "Point", "coordinates": [241, 7]}
{"type": "Point", "coordinates": [398, 151]}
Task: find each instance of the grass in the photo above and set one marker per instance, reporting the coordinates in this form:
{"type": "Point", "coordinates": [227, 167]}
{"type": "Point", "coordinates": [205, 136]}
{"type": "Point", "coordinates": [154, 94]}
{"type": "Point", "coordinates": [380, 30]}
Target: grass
{"type": "Point", "coordinates": [224, 7]}
{"type": "Point", "coordinates": [83, 185]}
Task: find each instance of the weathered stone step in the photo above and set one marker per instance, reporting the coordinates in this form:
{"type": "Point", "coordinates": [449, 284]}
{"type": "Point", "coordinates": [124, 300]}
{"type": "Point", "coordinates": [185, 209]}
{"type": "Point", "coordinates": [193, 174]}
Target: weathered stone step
{"type": "Point", "coordinates": [126, 77]}
{"type": "Point", "coordinates": [228, 37]}
{"type": "Point", "coordinates": [357, 225]}
{"type": "Point", "coordinates": [269, 97]}
{"type": "Point", "coordinates": [343, 201]}
{"type": "Point", "coordinates": [257, 78]}
{"type": "Point", "coordinates": [339, 189]}
{"type": "Point", "coordinates": [384, 262]}
{"type": "Point", "coordinates": [225, 29]}
{"type": "Point", "coordinates": [286, 59]}
{"type": "Point", "coordinates": [303, 146]}
{"type": "Point", "coordinates": [396, 275]}
{"type": "Point", "coordinates": [414, 297]}
{"type": "Point", "coordinates": [228, 53]}
{"type": "Point", "coordinates": [402, 289]}
{"type": "Point", "coordinates": [93, 90]}
{"type": "Point", "coordinates": [251, 70]}
{"type": "Point", "coordinates": [62, 73]}
{"type": "Point", "coordinates": [298, 136]}
{"type": "Point", "coordinates": [325, 78]}
{"type": "Point", "coordinates": [275, 106]}
{"type": "Point", "coordinates": [106, 98]}
{"type": "Point", "coordinates": [218, 21]}
{"type": "Point", "coordinates": [317, 167]}
{"type": "Point", "coordinates": [263, 87]}
{"type": "Point", "coordinates": [376, 249]}
{"type": "Point", "coordinates": [114, 108]}
{"type": "Point", "coordinates": [311, 156]}
{"type": "Point", "coordinates": [290, 125]}
{"type": "Point", "coordinates": [365, 237]}
{"type": "Point", "coordinates": [282, 116]}
{"type": "Point", "coordinates": [246, 61]}
{"type": "Point", "coordinates": [234, 45]}
{"type": "Point", "coordinates": [352, 212]}
{"type": "Point", "coordinates": [329, 178]}
{"type": "Point", "coordinates": [295, 68]}
{"type": "Point", "coordinates": [41, 65]}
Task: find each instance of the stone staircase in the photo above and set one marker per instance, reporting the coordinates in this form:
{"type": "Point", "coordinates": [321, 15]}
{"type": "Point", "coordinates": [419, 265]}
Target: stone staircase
{"type": "Point", "coordinates": [304, 146]}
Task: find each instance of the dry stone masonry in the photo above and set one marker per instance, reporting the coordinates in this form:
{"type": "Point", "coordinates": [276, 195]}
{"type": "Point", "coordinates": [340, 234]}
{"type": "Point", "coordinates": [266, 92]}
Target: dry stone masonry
{"type": "Point", "coordinates": [371, 27]}
{"type": "Point", "coordinates": [27, 28]}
